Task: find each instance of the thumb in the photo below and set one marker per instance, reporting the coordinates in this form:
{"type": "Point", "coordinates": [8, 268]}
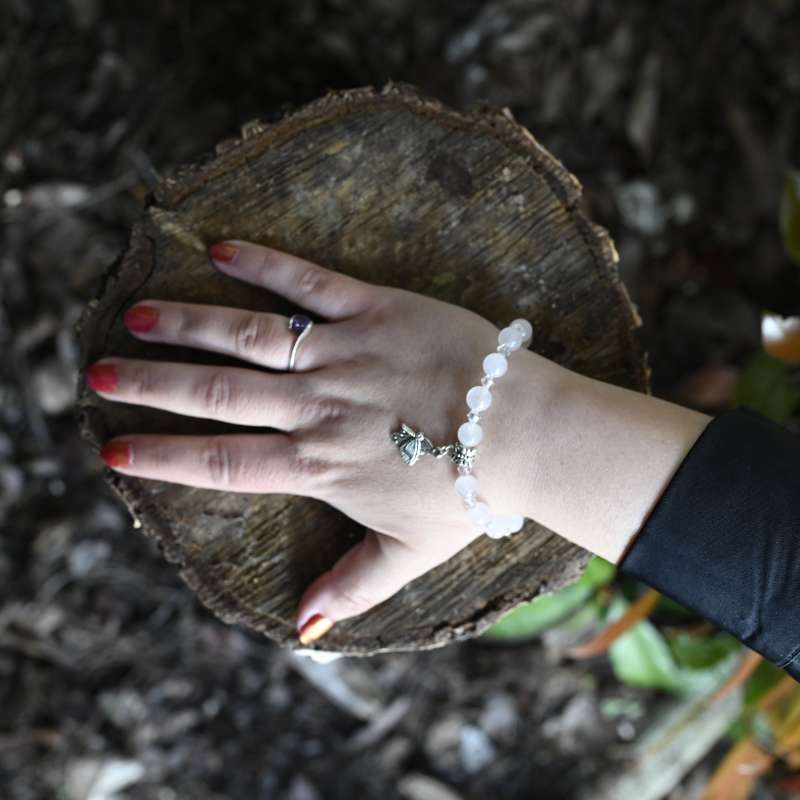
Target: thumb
{"type": "Point", "coordinates": [367, 574]}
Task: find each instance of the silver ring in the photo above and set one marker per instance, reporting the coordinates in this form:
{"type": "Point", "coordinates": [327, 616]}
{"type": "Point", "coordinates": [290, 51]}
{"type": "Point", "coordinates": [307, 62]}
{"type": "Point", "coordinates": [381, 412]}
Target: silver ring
{"type": "Point", "coordinates": [302, 325]}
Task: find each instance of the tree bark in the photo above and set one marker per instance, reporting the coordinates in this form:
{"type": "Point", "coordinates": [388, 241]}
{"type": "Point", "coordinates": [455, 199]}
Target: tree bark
{"type": "Point", "coordinates": [393, 188]}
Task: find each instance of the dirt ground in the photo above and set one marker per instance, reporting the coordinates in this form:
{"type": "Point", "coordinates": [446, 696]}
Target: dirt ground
{"type": "Point", "coordinates": [679, 118]}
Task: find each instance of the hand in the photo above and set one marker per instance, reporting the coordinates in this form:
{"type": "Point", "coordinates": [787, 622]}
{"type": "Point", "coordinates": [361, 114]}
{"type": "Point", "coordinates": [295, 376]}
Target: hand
{"type": "Point", "coordinates": [379, 355]}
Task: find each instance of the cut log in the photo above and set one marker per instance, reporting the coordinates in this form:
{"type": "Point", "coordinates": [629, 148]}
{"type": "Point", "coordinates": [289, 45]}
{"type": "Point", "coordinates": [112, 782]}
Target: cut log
{"type": "Point", "coordinates": [397, 189]}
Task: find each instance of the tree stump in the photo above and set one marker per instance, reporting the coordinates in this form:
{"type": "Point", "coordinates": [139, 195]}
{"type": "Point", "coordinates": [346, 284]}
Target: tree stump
{"type": "Point", "coordinates": [393, 188]}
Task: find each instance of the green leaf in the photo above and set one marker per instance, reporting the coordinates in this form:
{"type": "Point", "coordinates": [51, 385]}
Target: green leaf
{"type": "Point", "coordinates": [697, 652]}
{"type": "Point", "coordinates": [790, 214]}
{"type": "Point", "coordinates": [642, 657]}
{"type": "Point", "coordinates": [761, 730]}
{"type": "Point", "coordinates": [530, 619]}
{"type": "Point", "coordinates": [598, 572]}
{"type": "Point", "coordinates": [764, 386]}
{"type": "Point", "coordinates": [666, 605]}
{"type": "Point", "coordinates": [765, 676]}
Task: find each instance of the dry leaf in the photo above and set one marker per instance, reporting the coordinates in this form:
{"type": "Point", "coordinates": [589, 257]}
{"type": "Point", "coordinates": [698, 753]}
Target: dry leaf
{"type": "Point", "coordinates": [635, 613]}
{"type": "Point", "coordinates": [745, 669]}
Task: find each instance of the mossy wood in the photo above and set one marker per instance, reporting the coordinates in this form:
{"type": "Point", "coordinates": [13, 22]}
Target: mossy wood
{"type": "Point", "coordinates": [394, 188]}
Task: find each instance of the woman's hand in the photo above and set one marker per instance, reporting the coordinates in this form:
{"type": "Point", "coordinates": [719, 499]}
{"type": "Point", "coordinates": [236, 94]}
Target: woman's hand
{"type": "Point", "coordinates": [379, 355]}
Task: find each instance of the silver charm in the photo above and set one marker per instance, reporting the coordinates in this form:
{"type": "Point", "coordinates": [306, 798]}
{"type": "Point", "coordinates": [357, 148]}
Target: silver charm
{"type": "Point", "coordinates": [412, 444]}
{"type": "Point", "coordinates": [415, 444]}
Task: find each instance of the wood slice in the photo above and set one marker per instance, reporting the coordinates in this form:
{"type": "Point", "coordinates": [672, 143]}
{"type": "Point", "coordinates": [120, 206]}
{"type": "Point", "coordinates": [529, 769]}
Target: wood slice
{"type": "Point", "coordinates": [393, 188]}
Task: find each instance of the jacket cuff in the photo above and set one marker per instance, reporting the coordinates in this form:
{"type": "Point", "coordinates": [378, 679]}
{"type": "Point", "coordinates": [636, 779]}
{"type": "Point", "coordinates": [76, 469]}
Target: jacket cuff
{"type": "Point", "coordinates": [724, 537]}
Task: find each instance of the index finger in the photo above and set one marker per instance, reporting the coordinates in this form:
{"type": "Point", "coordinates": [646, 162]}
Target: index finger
{"type": "Point", "coordinates": [326, 292]}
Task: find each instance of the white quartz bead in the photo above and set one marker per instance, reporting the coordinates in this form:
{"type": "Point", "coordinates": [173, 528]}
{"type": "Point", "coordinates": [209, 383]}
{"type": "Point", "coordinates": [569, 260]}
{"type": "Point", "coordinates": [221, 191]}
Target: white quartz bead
{"type": "Point", "coordinates": [479, 398]}
{"type": "Point", "coordinates": [514, 522]}
{"type": "Point", "coordinates": [525, 328]}
{"type": "Point", "coordinates": [519, 333]}
{"type": "Point", "coordinates": [510, 337]}
{"type": "Point", "coordinates": [470, 434]}
{"type": "Point", "coordinates": [495, 365]}
{"type": "Point", "coordinates": [497, 527]}
{"type": "Point", "coordinates": [467, 484]}
{"type": "Point", "coordinates": [479, 514]}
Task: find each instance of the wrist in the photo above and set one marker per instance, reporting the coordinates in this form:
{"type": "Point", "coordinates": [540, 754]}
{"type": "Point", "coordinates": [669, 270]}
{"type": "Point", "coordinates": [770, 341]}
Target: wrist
{"type": "Point", "coordinates": [547, 384]}
{"type": "Point", "coordinates": [525, 399]}
{"type": "Point", "coordinates": [600, 456]}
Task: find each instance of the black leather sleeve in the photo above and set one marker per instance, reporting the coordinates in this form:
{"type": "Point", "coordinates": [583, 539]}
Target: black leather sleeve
{"type": "Point", "coordinates": [724, 537]}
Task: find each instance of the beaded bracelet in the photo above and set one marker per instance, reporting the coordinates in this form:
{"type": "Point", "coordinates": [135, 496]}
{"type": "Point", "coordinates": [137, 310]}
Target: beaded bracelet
{"type": "Point", "coordinates": [470, 434]}
{"type": "Point", "coordinates": [414, 444]}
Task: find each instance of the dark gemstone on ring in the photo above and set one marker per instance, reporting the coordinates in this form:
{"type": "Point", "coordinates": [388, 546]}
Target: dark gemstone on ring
{"type": "Point", "coordinates": [298, 323]}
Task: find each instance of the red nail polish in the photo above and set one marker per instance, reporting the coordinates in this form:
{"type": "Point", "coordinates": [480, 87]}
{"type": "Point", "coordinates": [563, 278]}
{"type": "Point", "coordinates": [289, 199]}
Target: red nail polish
{"type": "Point", "coordinates": [102, 377]}
{"type": "Point", "coordinates": [140, 319]}
{"type": "Point", "coordinates": [224, 252]}
{"type": "Point", "coordinates": [116, 454]}
{"type": "Point", "coordinates": [314, 627]}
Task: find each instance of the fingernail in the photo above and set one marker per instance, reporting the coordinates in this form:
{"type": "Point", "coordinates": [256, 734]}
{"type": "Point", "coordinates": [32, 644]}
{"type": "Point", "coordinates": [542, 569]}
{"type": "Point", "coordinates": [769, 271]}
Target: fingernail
{"type": "Point", "coordinates": [116, 454]}
{"type": "Point", "coordinates": [102, 377]}
{"type": "Point", "coordinates": [140, 319]}
{"type": "Point", "coordinates": [314, 627]}
{"type": "Point", "coordinates": [223, 252]}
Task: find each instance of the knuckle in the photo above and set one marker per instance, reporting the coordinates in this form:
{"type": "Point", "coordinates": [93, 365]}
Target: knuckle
{"type": "Point", "coordinates": [217, 394]}
{"type": "Point", "coordinates": [310, 280]}
{"type": "Point", "coordinates": [251, 334]}
{"type": "Point", "coordinates": [321, 408]}
{"type": "Point", "coordinates": [159, 458]}
{"type": "Point", "coordinates": [217, 462]}
{"type": "Point", "coordinates": [192, 327]}
{"type": "Point", "coordinates": [354, 597]}
{"type": "Point", "coordinates": [268, 258]}
{"type": "Point", "coordinates": [184, 324]}
{"type": "Point", "coordinates": [142, 381]}
{"type": "Point", "coordinates": [331, 409]}
{"type": "Point", "coordinates": [308, 468]}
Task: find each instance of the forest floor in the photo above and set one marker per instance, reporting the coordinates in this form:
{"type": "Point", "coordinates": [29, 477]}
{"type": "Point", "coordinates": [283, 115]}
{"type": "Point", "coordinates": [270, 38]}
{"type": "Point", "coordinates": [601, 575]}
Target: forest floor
{"type": "Point", "coordinates": [678, 118]}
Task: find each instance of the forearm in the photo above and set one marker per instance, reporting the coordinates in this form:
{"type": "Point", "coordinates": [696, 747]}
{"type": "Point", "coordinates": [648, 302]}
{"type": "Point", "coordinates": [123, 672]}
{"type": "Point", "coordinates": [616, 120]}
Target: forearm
{"type": "Point", "coordinates": [602, 457]}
